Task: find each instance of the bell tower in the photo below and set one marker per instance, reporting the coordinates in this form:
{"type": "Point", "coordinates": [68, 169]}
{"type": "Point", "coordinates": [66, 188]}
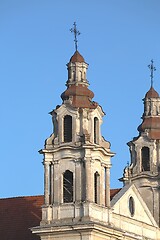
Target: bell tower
{"type": "Point", "coordinates": [77, 161]}
{"type": "Point", "coordinates": [144, 170]}
{"type": "Point", "coordinates": [76, 156]}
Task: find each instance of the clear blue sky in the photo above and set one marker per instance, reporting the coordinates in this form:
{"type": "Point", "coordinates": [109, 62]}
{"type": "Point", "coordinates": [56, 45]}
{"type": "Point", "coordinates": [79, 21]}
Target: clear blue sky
{"type": "Point", "coordinates": [118, 40]}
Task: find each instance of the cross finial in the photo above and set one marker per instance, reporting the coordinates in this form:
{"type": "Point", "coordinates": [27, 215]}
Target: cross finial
{"type": "Point", "coordinates": [76, 33]}
{"type": "Point", "coordinates": [152, 69]}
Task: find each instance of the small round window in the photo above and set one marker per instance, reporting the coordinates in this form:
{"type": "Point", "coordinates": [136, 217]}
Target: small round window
{"type": "Point", "coordinates": [131, 206]}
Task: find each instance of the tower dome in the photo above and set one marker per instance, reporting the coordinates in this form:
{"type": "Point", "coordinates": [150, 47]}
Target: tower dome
{"type": "Point", "coordinates": [151, 115]}
{"type": "Point", "coordinates": [77, 84]}
{"type": "Point", "coordinates": [152, 93]}
{"type": "Point", "coordinates": [77, 57]}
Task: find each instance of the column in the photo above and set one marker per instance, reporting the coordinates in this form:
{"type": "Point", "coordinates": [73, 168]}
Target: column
{"type": "Point", "coordinates": [46, 182]}
{"type": "Point", "coordinates": [107, 185]}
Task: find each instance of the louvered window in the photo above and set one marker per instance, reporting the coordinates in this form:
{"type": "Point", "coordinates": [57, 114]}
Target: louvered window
{"type": "Point", "coordinates": [67, 187]}
{"type": "Point", "coordinates": [96, 187]}
{"type": "Point", "coordinates": [145, 159]}
{"type": "Point", "coordinates": [67, 128]}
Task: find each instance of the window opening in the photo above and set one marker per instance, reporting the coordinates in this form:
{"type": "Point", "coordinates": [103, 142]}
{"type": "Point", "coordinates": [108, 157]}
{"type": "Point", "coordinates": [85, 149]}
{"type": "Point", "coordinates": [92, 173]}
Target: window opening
{"type": "Point", "coordinates": [145, 159]}
{"type": "Point", "coordinates": [67, 187]}
{"type": "Point", "coordinates": [131, 206]}
{"type": "Point", "coordinates": [67, 128]}
{"type": "Point", "coordinates": [96, 130]}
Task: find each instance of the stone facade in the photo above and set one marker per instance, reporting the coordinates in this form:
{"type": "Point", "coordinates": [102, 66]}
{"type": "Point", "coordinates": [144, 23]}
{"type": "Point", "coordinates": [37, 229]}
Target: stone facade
{"type": "Point", "coordinates": [145, 151]}
{"type": "Point", "coordinates": [77, 162]}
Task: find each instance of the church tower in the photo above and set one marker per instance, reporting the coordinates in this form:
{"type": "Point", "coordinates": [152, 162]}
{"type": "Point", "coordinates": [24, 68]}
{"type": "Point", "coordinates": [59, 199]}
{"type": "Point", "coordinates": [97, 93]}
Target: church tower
{"type": "Point", "coordinates": [78, 201]}
{"type": "Point", "coordinates": [144, 170]}
{"type": "Point", "coordinates": [77, 161]}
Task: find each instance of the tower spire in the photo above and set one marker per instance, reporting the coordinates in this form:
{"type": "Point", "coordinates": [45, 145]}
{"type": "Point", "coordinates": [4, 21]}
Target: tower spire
{"type": "Point", "coordinates": [76, 33]}
{"type": "Point", "coordinates": [152, 69]}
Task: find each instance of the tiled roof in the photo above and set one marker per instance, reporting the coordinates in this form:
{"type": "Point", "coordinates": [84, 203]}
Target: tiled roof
{"type": "Point", "coordinates": [17, 215]}
{"type": "Point", "coordinates": [113, 192]}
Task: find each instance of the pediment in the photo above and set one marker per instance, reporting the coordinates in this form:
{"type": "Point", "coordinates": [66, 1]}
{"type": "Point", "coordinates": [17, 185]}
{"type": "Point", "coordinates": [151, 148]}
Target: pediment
{"type": "Point", "coordinates": [129, 203]}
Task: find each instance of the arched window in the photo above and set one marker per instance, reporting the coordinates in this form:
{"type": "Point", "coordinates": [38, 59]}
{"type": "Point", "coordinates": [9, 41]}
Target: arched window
{"type": "Point", "coordinates": [145, 159]}
{"type": "Point", "coordinates": [96, 187]}
{"type": "Point", "coordinates": [67, 187]}
{"type": "Point", "coordinates": [67, 128]}
{"type": "Point", "coordinates": [96, 128]}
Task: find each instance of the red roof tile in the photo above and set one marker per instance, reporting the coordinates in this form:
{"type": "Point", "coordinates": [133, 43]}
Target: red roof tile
{"type": "Point", "coordinates": [19, 214]}
{"type": "Point", "coordinates": [113, 192]}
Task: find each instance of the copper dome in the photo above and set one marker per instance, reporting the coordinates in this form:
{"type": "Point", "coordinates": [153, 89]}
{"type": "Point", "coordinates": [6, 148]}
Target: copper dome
{"type": "Point", "coordinates": [81, 96]}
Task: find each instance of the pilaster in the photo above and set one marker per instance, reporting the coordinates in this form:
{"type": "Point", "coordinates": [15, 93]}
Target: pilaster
{"type": "Point", "coordinates": [46, 182]}
{"type": "Point", "coordinates": [78, 180]}
{"type": "Point", "coordinates": [89, 179]}
{"type": "Point", "coordinates": [56, 185]}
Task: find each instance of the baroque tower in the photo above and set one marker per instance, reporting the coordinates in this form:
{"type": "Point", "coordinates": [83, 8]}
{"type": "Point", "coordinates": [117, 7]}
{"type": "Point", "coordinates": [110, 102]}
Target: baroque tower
{"type": "Point", "coordinates": [78, 201]}
{"type": "Point", "coordinates": [77, 161]}
{"type": "Point", "coordinates": [144, 170]}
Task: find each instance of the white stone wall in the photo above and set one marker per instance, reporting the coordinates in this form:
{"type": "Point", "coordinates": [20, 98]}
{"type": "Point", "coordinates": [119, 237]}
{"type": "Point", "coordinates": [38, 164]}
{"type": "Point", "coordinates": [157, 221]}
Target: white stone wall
{"type": "Point", "coordinates": [141, 223]}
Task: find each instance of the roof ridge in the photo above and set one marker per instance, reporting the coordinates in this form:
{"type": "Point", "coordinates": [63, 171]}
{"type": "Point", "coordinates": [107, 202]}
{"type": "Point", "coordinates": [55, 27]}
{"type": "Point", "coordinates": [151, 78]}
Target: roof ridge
{"type": "Point", "coordinates": [22, 197]}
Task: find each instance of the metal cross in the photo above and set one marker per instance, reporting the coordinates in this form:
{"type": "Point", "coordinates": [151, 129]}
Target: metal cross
{"type": "Point", "coordinates": [76, 33]}
{"type": "Point", "coordinates": [152, 69]}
